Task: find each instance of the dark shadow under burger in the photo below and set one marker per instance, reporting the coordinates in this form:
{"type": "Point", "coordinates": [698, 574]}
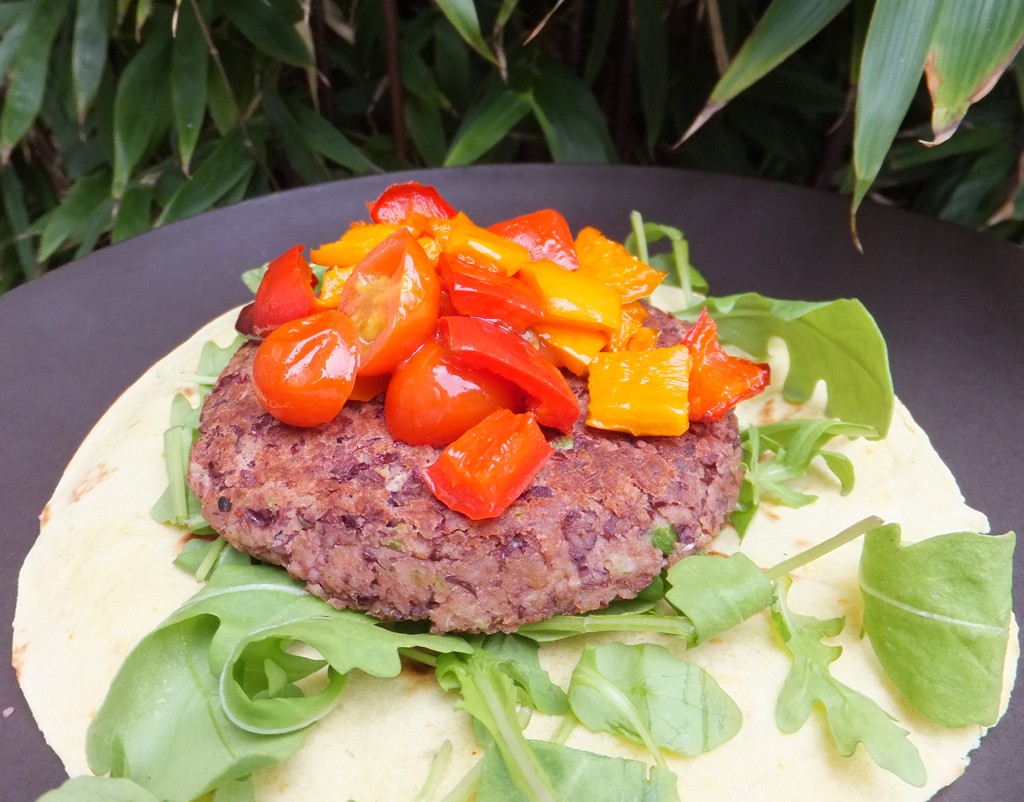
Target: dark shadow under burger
{"type": "Point", "coordinates": [343, 507]}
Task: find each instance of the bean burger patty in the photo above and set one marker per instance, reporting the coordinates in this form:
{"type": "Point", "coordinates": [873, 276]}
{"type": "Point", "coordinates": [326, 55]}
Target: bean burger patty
{"type": "Point", "coordinates": [343, 507]}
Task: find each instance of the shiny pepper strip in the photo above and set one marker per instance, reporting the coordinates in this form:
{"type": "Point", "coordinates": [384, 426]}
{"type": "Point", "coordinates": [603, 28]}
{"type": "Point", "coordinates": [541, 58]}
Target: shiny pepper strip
{"type": "Point", "coordinates": [719, 381]}
{"type": "Point", "coordinates": [572, 298]}
{"type": "Point", "coordinates": [640, 392]}
{"type": "Point", "coordinates": [482, 472]}
{"type": "Point", "coordinates": [608, 262]}
{"type": "Point", "coordinates": [354, 244]}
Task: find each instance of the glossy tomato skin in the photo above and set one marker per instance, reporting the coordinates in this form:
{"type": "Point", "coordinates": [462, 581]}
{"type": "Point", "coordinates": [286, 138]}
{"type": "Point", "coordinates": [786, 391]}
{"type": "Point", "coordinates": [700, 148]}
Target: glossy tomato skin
{"type": "Point", "coordinates": [432, 401]}
{"type": "Point", "coordinates": [393, 298]}
{"type": "Point", "coordinates": [305, 369]}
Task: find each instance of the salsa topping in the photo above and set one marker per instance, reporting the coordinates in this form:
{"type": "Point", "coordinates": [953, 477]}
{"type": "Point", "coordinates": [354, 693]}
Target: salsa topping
{"type": "Point", "coordinates": [467, 331]}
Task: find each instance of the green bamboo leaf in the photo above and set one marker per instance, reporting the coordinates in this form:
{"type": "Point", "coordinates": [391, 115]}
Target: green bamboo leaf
{"type": "Point", "coordinates": [93, 227]}
{"type": "Point", "coordinates": [462, 15]}
{"type": "Point", "coordinates": [229, 164]}
{"type": "Point", "coordinates": [328, 141]}
{"type": "Point", "coordinates": [143, 11]}
{"type": "Point", "coordinates": [785, 26]}
{"type": "Point", "coordinates": [652, 64]}
{"type": "Point", "coordinates": [85, 196]}
{"type": "Point", "coordinates": [489, 124]}
{"type": "Point", "coordinates": [14, 19]}
{"type": "Point", "coordinates": [570, 118]}
{"type": "Point", "coordinates": [270, 25]}
{"type": "Point", "coordinates": [140, 103]}
{"type": "Point", "coordinates": [890, 71]}
{"type": "Point", "coordinates": [293, 138]}
{"type": "Point", "coordinates": [426, 129]}
{"type": "Point", "coordinates": [189, 70]}
{"type": "Point", "coordinates": [976, 40]}
{"type": "Point", "coordinates": [12, 194]}
{"type": "Point", "coordinates": [605, 14]}
{"type": "Point", "coordinates": [93, 19]}
{"type": "Point", "coordinates": [26, 82]}
{"type": "Point", "coordinates": [133, 213]}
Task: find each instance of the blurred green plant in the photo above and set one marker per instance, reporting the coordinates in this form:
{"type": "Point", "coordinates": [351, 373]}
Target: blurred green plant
{"type": "Point", "coordinates": [119, 115]}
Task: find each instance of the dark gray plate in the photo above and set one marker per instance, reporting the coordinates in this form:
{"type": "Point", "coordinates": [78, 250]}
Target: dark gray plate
{"type": "Point", "coordinates": [951, 304]}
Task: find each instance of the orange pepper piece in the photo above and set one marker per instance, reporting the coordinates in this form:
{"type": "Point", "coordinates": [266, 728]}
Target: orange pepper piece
{"type": "Point", "coordinates": [610, 263]}
{"type": "Point", "coordinates": [572, 298]}
{"type": "Point", "coordinates": [463, 238]}
{"type": "Point", "coordinates": [641, 392]}
{"type": "Point", "coordinates": [633, 316]}
{"type": "Point", "coordinates": [354, 244]}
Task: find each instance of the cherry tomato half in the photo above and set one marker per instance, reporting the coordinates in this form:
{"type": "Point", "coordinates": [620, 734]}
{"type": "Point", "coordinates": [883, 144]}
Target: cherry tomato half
{"type": "Point", "coordinates": [393, 299]}
{"type": "Point", "coordinates": [432, 401]}
{"type": "Point", "coordinates": [305, 369]}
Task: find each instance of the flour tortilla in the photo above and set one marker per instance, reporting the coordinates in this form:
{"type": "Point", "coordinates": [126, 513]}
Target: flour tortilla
{"type": "Point", "coordinates": [100, 577]}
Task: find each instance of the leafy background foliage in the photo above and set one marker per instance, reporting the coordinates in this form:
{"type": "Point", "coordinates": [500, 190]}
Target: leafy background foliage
{"type": "Point", "coordinates": [119, 115]}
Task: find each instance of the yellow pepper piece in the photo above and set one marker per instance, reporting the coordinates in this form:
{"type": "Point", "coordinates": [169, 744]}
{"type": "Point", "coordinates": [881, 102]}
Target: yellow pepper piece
{"type": "Point", "coordinates": [354, 244]}
{"type": "Point", "coordinates": [570, 346]}
{"type": "Point", "coordinates": [572, 298]}
{"type": "Point", "coordinates": [641, 392]}
{"type": "Point", "coordinates": [332, 285]}
{"type": "Point", "coordinates": [480, 246]}
{"type": "Point", "coordinates": [633, 316]}
{"type": "Point", "coordinates": [610, 263]}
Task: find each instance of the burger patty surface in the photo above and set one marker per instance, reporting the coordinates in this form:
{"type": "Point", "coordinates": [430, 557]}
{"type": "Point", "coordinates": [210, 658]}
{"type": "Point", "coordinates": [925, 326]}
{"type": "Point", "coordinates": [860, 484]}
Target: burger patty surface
{"type": "Point", "coordinates": [343, 507]}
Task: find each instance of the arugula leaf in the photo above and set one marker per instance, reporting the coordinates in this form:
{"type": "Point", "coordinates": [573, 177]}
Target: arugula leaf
{"type": "Point", "coordinates": [646, 694]}
{"type": "Point", "coordinates": [98, 789]}
{"type": "Point", "coordinates": [676, 263]}
{"type": "Point", "coordinates": [837, 342]}
{"type": "Point", "coordinates": [937, 613]}
{"type": "Point", "coordinates": [491, 697]}
{"type": "Point", "coordinates": [852, 717]}
{"type": "Point", "coordinates": [521, 661]}
{"type": "Point", "coordinates": [580, 775]}
{"type": "Point", "coordinates": [165, 722]}
{"type": "Point", "coordinates": [794, 444]}
{"type": "Point", "coordinates": [717, 593]}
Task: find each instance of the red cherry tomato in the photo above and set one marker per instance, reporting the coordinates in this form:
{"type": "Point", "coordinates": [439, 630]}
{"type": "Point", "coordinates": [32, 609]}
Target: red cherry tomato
{"type": "Point", "coordinates": [545, 234]}
{"type": "Point", "coordinates": [394, 299]}
{"type": "Point", "coordinates": [305, 369]}
{"type": "Point", "coordinates": [489, 467]}
{"type": "Point", "coordinates": [399, 202]}
{"type": "Point", "coordinates": [432, 401]}
{"type": "Point", "coordinates": [285, 293]}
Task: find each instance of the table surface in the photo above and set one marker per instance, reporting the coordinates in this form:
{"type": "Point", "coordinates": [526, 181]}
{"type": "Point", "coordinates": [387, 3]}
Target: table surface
{"type": "Point", "coordinates": [950, 302]}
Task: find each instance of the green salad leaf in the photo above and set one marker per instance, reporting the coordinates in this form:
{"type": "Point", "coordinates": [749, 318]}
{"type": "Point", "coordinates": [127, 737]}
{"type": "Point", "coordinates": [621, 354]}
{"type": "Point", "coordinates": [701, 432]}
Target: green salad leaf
{"type": "Point", "coordinates": [647, 695]}
{"type": "Point", "coordinates": [210, 696]}
{"type": "Point", "coordinates": [580, 775]}
{"type": "Point", "coordinates": [853, 718]}
{"type": "Point", "coordinates": [521, 661]}
{"type": "Point", "coordinates": [717, 593]}
{"type": "Point", "coordinates": [491, 697]}
{"type": "Point", "coordinates": [98, 789]}
{"type": "Point", "coordinates": [792, 446]}
{"type": "Point", "coordinates": [837, 342]}
{"type": "Point", "coordinates": [937, 613]}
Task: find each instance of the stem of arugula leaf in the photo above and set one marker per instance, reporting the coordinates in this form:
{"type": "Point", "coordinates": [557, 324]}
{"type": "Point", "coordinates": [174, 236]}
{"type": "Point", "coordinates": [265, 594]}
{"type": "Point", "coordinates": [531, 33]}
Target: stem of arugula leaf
{"type": "Point", "coordinates": [419, 656]}
{"type": "Point", "coordinates": [821, 549]}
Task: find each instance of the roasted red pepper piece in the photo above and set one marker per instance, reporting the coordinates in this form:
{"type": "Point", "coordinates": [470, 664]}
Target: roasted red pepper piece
{"type": "Point", "coordinates": [478, 292]}
{"type": "Point", "coordinates": [718, 381]}
{"type": "Point", "coordinates": [489, 346]}
{"type": "Point", "coordinates": [488, 467]}
{"type": "Point", "coordinates": [285, 293]}
{"type": "Point", "coordinates": [545, 234]}
{"type": "Point", "coordinates": [399, 202]}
